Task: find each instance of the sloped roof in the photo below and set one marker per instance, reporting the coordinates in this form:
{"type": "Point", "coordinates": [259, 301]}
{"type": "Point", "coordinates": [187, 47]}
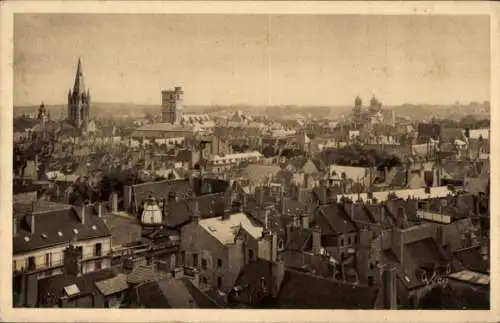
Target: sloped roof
{"type": "Point", "coordinates": [472, 259]}
{"type": "Point", "coordinates": [259, 172]}
{"type": "Point", "coordinates": [301, 290]}
{"type": "Point", "coordinates": [332, 219]}
{"type": "Point", "coordinates": [225, 231]}
{"type": "Point", "coordinates": [112, 285]}
{"type": "Point", "coordinates": [54, 286]}
{"type": "Point", "coordinates": [69, 227]}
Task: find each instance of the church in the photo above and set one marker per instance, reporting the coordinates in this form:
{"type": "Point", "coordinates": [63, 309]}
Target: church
{"type": "Point", "coordinates": [79, 105]}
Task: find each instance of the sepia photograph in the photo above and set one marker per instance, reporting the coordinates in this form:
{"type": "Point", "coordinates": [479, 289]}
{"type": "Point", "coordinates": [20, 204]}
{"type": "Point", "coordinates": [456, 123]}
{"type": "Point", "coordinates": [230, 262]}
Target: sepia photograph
{"type": "Point", "coordinates": [267, 160]}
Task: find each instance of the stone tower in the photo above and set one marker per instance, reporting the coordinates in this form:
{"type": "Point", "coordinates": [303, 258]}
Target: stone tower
{"type": "Point", "coordinates": [357, 112]}
{"type": "Point", "coordinates": [79, 101]}
{"type": "Point", "coordinates": [172, 105]}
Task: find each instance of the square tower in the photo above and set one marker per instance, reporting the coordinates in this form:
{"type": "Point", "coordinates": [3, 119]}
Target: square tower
{"type": "Point", "coordinates": [172, 105]}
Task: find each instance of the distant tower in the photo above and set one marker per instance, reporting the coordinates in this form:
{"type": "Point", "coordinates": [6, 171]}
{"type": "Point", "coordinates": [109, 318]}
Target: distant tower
{"type": "Point", "coordinates": [79, 101]}
{"type": "Point", "coordinates": [172, 105]}
{"type": "Point", "coordinates": [356, 112]}
{"type": "Point", "coordinates": [43, 114]}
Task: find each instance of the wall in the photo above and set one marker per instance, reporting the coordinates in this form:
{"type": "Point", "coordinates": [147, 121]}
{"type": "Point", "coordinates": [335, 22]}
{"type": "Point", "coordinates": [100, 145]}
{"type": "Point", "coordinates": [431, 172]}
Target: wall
{"type": "Point", "coordinates": [195, 240]}
{"type": "Point", "coordinates": [57, 252]}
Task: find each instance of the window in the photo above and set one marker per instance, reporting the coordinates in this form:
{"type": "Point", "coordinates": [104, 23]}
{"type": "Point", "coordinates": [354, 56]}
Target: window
{"type": "Point", "coordinates": [31, 263]}
{"type": "Point", "coordinates": [355, 239]}
{"type": "Point", "coordinates": [195, 260]}
{"type": "Point", "coordinates": [250, 254]}
{"type": "Point", "coordinates": [98, 265]}
{"type": "Point", "coordinates": [349, 240]}
{"type": "Point", "coordinates": [341, 242]}
{"type": "Point", "coordinates": [204, 280]}
{"type": "Point", "coordinates": [98, 249]}
{"type": "Point", "coordinates": [341, 256]}
{"type": "Point", "coordinates": [219, 282]}
{"type": "Point", "coordinates": [370, 280]}
{"type": "Point", "coordinates": [219, 263]}
{"type": "Point", "coordinates": [204, 264]}
{"type": "Point", "coordinates": [371, 265]}
{"type": "Point", "coordinates": [48, 260]}
{"type": "Point", "coordinates": [14, 265]}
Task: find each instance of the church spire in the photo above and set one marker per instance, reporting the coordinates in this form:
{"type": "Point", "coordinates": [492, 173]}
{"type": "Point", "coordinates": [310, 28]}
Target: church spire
{"type": "Point", "coordinates": [79, 87]}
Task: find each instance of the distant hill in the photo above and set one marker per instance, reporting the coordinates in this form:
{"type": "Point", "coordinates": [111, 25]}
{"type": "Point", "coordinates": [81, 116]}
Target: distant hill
{"type": "Point", "coordinates": [130, 110]}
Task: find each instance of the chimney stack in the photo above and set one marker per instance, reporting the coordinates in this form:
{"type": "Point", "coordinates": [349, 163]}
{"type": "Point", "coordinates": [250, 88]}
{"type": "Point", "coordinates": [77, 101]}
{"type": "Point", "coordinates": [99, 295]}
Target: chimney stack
{"type": "Point", "coordinates": [114, 202]}
{"type": "Point", "coordinates": [278, 274]}
{"type": "Point", "coordinates": [304, 221]}
{"type": "Point", "coordinates": [84, 210]}
{"type": "Point", "coordinates": [99, 210]}
{"type": "Point", "coordinates": [389, 286]}
{"type": "Point", "coordinates": [195, 216]}
{"type": "Point", "coordinates": [316, 240]}
{"type": "Point", "coordinates": [32, 223]}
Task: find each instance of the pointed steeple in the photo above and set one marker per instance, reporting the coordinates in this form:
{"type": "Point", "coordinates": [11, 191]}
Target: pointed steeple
{"type": "Point", "coordinates": [79, 87]}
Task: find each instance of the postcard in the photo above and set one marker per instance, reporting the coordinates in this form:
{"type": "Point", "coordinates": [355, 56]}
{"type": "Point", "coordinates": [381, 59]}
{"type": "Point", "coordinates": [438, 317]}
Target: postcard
{"type": "Point", "coordinates": [249, 161]}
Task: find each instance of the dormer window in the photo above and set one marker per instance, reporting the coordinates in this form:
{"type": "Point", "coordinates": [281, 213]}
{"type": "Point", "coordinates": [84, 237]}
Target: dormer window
{"type": "Point", "coordinates": [75, 231]}
{"type": "Point", "coordinates": [44, 236]}
{"type": "Point", "coordinates": [59, 233]}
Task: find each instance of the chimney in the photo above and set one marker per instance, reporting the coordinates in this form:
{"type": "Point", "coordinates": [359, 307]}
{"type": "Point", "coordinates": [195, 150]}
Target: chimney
{"type": "Point", "coordinates": [284, 210]}
{"type": "Point", "coordinates": [278, 274]}
{"type": "Point", "coordinates": [274, 247]}
{"type": "Point", "coordinates": [32, 223]}
{"type": "Point", "coordinates": [441, 236]}
{"type": "Point", "coordinates": [304, 219]}
{"type": "Point", "coordinates": [195, 216]}
{"type": "Point", "coordinates": [389, 287]}
{"type": "Point", "coordinates": [316, 240]}
{"type": "Point", "coordinates": [84, 210]}
{"type": "Point", "coordinates": [114, 202]}
{"type": "Point", "coordinates": [99, 210]}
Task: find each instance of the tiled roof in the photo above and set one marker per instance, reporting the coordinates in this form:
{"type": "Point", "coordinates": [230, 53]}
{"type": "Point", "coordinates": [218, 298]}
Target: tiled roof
{"type": "Point", "coordinates": [258, 172]}
{"type": "Point", "coordinates": [141, 274]}
{"type": "Point", "coordinates": [178, 212]}
{"type": "Point", "coordinates": [160, 189]}
{"type": "Point", "coordinates": [298, 239]}
{"type": "Point", "coordinates": [472, 260]}
{"type": "Point", "coordinates": [301, 290]}
{"type": "Point", "coordinates": [149, 295]}
{"type": "Point", "coordinates": [225, 231]}
{"type": "Point", "coordinates": [54, 286]}
{"type": "Point", "coordinates": [112, 285]}
{"type": "Point", "coordinates": [56, 225]}
{"type": "Point", "coordinates": [333, 219]}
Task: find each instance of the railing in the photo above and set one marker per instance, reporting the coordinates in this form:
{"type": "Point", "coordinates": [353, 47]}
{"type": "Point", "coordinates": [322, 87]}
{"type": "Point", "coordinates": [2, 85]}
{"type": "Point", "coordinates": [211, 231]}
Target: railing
{"type": "Point", "coordinates": [34, 267]}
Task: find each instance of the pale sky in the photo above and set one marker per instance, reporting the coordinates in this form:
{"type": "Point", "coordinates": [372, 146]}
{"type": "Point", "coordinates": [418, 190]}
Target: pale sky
{"type": "Point", "coordinates": [253, 59]}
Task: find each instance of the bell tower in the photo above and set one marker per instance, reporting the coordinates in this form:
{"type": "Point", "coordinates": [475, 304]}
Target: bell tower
{"type": "Point", "coordinates": [172, 105]}
{"type": "Point", "coordinates": [79, 101]}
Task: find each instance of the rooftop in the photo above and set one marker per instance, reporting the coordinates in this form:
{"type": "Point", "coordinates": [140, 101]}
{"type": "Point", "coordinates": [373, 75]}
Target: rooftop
{"type": "Point", "coordinates": [225, 231]}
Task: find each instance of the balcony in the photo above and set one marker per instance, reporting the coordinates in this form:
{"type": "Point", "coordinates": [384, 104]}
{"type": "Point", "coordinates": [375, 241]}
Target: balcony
{"type": "Point", "coordinates": [34, 267]}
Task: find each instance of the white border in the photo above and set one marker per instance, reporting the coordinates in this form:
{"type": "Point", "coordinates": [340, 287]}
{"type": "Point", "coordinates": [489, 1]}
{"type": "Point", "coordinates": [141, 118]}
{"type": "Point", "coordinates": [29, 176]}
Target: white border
{"type": "Point", "coordinates": [236, 7]}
